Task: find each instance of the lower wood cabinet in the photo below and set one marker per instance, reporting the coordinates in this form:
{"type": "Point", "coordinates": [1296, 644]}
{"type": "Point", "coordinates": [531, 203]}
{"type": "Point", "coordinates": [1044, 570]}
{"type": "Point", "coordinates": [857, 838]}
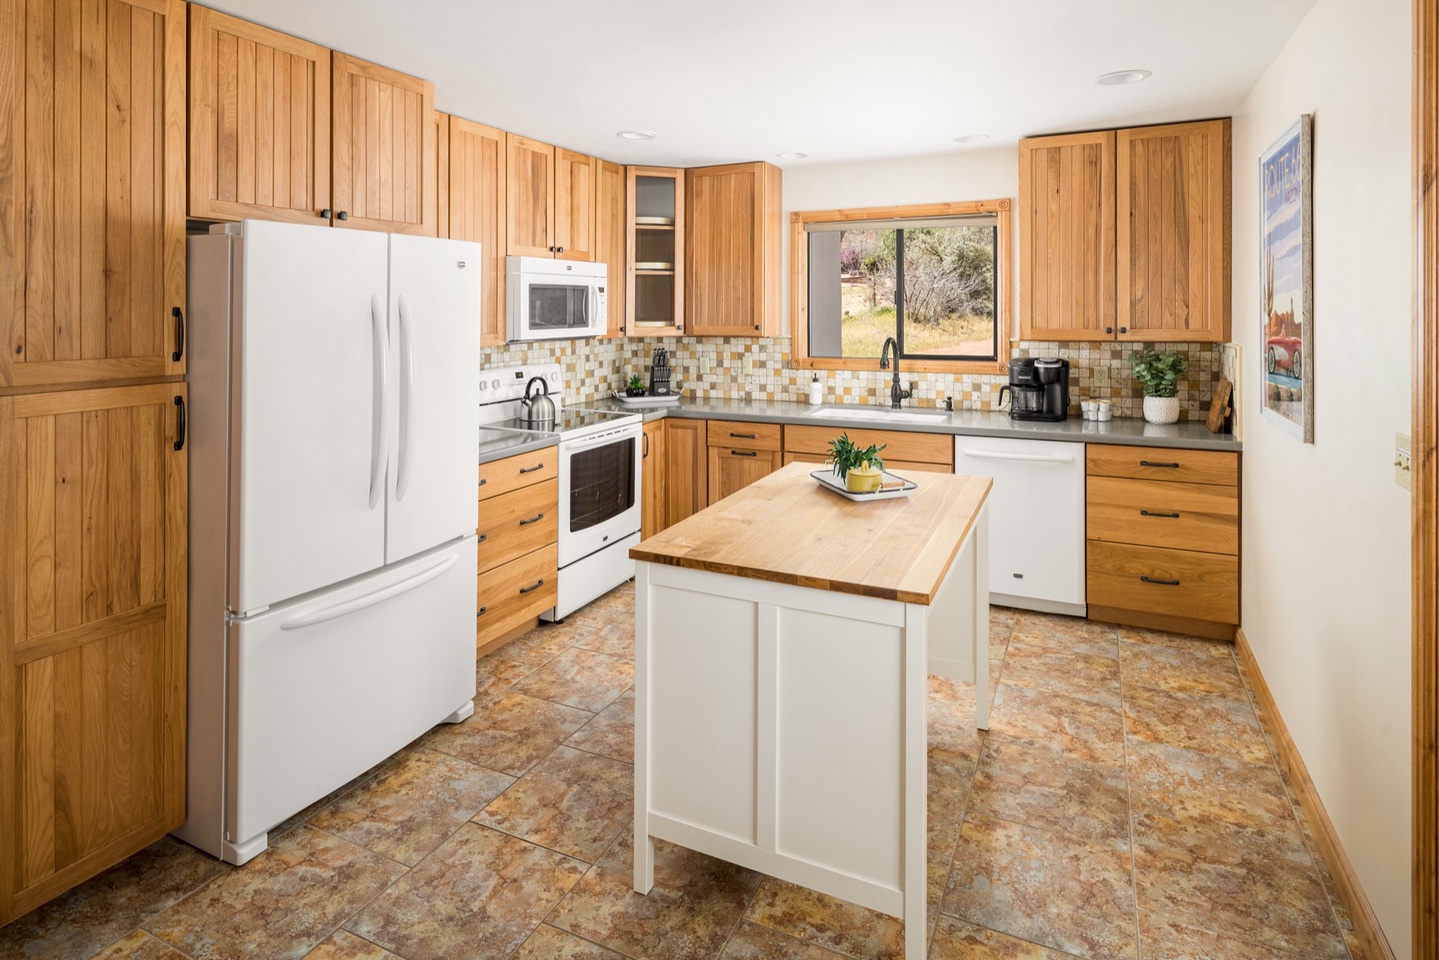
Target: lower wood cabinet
{"type": "Point", "coordinates": [903, 449]}
{"type": "Point", "coordinates": [652, 480]}
{"type": "Point", "coordinates": [686, 473]}
{"type": "Point", "coordinates": [739, 454]}
{"type": "Point", "coordinates": [518, 551]}
{"type": "Point", "coordinates": [93, 500]}
{"type": "Point", "coordinates": [1162, 530]}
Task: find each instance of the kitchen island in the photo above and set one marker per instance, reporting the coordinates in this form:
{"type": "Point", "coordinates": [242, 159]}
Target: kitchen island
{"type": "Point", "coordinates": [783, 636]}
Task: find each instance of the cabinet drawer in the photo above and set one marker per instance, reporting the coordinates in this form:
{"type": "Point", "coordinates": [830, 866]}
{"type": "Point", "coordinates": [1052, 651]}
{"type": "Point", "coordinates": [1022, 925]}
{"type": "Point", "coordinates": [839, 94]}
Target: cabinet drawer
{"type": "Point", "coordinates": [513, 592]}
{"type": "Point", "coordinates": [745, 436]}
{"type": "Point", "coordinates": [893, 466]}
{"type": "Point", "coordinates": [901, 445]}
{"type": "Point", "coordinates": [518, 522]}
{"type": "Point", "coordinates": [1187, 516]}
{"type": "Point", "coordinates": [521, 470]}
{"type": "Point", "coordinates": [1131, 577]}
{"type": "Point", "coordinates": [1163, 463]}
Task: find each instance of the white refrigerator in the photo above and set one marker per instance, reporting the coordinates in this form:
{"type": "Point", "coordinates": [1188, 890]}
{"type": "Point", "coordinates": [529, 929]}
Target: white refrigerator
{"type": "Point", "coordinates": [334, 396]}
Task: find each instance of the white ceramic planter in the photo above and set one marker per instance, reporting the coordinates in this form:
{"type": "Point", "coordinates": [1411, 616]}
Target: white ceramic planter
{"type": "Point", "coordinates": [1161, 409]}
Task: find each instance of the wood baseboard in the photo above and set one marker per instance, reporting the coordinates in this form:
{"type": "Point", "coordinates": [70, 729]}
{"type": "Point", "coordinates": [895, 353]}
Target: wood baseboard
{"type": "Point", "coordinates": [1371, 937]}
{"type": "Point", "coordinates": [1162, 621]}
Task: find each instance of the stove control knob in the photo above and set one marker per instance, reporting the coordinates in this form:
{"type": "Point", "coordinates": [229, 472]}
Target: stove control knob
{"type": "Point", "coordinates": [484, 385]}
{"type": "Point", "coordinates": [495, 384]}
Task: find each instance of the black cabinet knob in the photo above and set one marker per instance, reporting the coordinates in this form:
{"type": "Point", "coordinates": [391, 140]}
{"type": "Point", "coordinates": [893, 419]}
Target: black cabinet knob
{"type": "Point", "coordinates": [342, 215]}
{"type": "Point", "coordinates": [327, 213]}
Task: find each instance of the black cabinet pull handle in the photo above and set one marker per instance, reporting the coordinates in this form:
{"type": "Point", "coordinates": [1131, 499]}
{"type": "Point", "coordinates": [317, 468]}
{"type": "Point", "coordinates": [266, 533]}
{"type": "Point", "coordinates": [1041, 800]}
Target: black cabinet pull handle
{"type": "Point", "coordinates": [647, 446]}
{"type": "Point", "coordinates": [1167, 466]}
{"type": "Point", "coordinates": [1165, 583]}
{"type": "Point", "coordinates": [482, 482]}
{"type": "Point", "coordinates": [541, 466]}
{"type": "Point", "coordinates": [743, 453]}
{"type": "Point", "coordinates": [1123, 329]}
{"type": "Point", "coordinates": [342, 215]}
{"type": "Point", "coordinates": [534, 586]}
{"type": "Point", "coordinates": [745, 436]}
{"type": "Point", "coordinates": [526, 523]}
{"type": "Point", "coordinates": [1108, 329]}
{"type": "Point", "coordinates": [179, 316]}
{"type": "Point", "coordinates": [180, 427]}
{"type": "Point", "coordinates": [483, 538]}
{"type": "Point", "coordinates": [327, 213]}
{"type": "Point", "coordinates": [559, 249]}
{"type": "Point", "coordinates": [1150, 513]}
{"type": "Point", "coordinates": [481, 612]}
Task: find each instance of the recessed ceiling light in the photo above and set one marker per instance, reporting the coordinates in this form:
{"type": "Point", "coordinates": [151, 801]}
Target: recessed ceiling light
{"type": "Point", "coordinates": [791, 155]}
{"type": "Point", "coordinates": [1120, 77]}
{"type": "Point", "coordinates": [972, 138]}
{"type": "Point", "coordinates": [636, 134]}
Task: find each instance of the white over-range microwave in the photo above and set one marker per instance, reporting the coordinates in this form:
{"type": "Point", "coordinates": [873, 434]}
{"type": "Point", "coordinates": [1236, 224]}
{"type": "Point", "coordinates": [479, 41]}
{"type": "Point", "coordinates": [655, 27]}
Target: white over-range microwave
{"type": "Point", "coordinates": [554, 299]}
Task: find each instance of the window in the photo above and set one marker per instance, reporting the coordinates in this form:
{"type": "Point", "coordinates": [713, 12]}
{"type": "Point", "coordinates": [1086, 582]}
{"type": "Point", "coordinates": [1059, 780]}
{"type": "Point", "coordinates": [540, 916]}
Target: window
{"type": "Point", "coordinates": [934, 277]}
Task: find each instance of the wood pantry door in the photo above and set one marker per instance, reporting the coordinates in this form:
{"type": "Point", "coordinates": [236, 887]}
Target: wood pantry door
{"type": "Point", "coordinates": [92, 633]}
{"type": "Point", "coordinates": [92, 189]}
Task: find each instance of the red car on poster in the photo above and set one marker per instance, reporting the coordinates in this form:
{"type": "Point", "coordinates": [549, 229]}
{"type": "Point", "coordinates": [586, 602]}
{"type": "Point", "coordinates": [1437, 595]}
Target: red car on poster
{"type": "Point", "coordinates": [1284, 355]}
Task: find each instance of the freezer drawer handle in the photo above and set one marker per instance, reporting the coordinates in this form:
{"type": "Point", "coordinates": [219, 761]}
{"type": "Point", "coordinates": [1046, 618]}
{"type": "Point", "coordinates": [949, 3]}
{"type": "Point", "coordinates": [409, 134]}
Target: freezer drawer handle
{"type": "Point", "coordinates": [535, 586]}
{"type": "Point", "coordinates": [1167, 466]}
{"type": "Point", "coordinates": [535, 519]}
{"type": "Point", "coordinates": [180, 426]}
{"type": "Point", "coordinates": [369, 600]}
{"type": "Point", "coordinates": [1165, 583]}
{"type": "Point", "coordinates": [744, 453]}
{"type": "Point", "coordinates": [1150, 513]}
{"type": "Point", "coordinates": [538, 466]}
{"type": "Point", "coordinates": [179, 316]}
{"type": "Point", "coordinates": [1026, 457]}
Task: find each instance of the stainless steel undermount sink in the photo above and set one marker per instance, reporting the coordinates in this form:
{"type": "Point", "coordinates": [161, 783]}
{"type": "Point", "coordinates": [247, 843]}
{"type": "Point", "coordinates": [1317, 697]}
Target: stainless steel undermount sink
{"type": "Point", "coordinates": [879, 415]}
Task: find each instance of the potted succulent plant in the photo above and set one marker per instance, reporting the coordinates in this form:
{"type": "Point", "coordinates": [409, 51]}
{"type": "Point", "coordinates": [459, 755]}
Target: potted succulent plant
{"type": "Point", "coordinates": [636, 387]}
{"type": "Point", "coordinates": [1159, 371]}
{"type": "Point", "coordinates": [860, 468]}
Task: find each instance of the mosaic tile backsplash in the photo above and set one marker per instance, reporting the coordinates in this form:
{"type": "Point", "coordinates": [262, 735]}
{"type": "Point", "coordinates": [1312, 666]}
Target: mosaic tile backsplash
{"type": "Point", "coordinates": [744, 368]}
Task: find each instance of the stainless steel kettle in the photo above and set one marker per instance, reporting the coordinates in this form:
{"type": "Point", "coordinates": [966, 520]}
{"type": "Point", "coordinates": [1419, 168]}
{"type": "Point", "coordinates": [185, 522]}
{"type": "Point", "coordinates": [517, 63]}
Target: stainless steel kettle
{"type": "Point", "coordinates": [539, 410]}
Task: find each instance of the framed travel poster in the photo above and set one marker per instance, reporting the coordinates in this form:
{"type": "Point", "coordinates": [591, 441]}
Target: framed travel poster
{"type": "Point", "coordinates": [1286, 250]}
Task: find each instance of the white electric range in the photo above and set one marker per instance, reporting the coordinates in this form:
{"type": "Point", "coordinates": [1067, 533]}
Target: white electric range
{"type": "Point", "coordinates": [599, 474]}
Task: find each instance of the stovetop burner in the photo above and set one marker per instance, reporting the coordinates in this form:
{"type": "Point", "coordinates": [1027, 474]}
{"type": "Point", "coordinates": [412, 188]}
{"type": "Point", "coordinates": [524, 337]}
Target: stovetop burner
{"type": "Point", "coordinates": [571, 420]}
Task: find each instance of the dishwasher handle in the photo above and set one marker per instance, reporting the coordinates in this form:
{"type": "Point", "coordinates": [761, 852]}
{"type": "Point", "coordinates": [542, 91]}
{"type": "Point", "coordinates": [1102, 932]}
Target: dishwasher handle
{"type": "Point", "coordinates": [1024, 457]}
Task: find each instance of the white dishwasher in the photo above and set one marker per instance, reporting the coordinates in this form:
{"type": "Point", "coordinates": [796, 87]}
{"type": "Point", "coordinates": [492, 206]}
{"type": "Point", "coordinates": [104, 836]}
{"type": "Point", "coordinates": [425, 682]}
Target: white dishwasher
{"type": "Point", "coordinates": [1036, 519]}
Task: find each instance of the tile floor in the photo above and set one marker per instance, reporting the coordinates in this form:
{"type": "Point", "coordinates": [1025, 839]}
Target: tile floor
{"type": "Point", "coordinates": [1125, 805]}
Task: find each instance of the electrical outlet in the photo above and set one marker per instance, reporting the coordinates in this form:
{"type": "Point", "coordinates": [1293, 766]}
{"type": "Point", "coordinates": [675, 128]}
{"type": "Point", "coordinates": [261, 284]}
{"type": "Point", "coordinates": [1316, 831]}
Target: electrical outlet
{"type": "Point", "coordinates": [705, 365]}
{"type": "Point", "coordinates": [1401, 460]}
{"type": "Point", "coordinates": [1099, 376]}
{"type": "Point", "coordinates": [746, 366]}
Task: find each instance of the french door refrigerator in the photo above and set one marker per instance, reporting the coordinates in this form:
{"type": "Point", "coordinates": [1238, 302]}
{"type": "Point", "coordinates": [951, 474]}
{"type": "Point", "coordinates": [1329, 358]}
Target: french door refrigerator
{"type": "Point", "coordinates": [333, 419]}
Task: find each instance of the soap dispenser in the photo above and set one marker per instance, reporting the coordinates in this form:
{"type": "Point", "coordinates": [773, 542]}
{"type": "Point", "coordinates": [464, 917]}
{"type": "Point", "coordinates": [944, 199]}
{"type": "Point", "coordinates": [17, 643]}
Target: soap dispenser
{"type": "Point", "coordinates": [816, 391]}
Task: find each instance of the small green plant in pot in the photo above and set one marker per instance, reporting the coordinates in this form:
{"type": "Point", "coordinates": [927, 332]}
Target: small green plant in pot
{"type": "Point", "coordinates": [636, 387]}
{"type": "Point", "coordinates": [1159, 372]}
{"type": "Point", "coordinates": [860, 468]}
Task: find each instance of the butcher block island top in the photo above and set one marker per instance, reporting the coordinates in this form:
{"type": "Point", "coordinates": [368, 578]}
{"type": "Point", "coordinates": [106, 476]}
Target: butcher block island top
{"type": "Point", "coordinates": [785, 528]}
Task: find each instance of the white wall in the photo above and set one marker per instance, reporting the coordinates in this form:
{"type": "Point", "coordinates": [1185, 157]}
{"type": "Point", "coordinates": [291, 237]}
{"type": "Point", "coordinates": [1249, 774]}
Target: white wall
{"type": "Point", "coordinates": [1326, 530]}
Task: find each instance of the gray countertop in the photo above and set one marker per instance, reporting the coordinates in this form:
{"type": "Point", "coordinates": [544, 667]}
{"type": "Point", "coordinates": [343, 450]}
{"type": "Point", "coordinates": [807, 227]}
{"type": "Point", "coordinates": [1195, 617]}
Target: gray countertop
{"type": "Point", "coordinates": [496, 443]}
{"type": "Point", "coordinates": [1193, 435]}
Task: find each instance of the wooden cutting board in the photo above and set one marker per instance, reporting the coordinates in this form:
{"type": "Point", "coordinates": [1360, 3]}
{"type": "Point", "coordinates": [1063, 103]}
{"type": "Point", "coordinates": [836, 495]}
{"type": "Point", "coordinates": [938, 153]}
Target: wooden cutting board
{"type": "Point", "coordinates": [1219, 407]}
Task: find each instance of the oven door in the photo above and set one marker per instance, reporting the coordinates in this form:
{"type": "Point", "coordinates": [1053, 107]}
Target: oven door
{"type": "Point", "coordinates": [599, 491]}
{"type": "Point", "coordinates": [546, 306]}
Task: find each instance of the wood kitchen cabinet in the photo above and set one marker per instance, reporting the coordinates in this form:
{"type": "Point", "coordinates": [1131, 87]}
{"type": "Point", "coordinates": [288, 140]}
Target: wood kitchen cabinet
{"type": "Point", "coordinates": [610, 239]}
{"type": "Point", "coordinates": [732, 250]}
{"type": "Point", "coordinates": [686, 469]}
{"type": "Point", "coordinates": [550, 201]}
{"type": "Point", "coordinates": [1124, 235]}
{"type": "Point", "coordinates": [652, 480]}
{"type": "Point", "coordinates": [92, 641]}
{"type": "Point", "coordinates": [92, 194]}
{"type": "Point", "coordinates": [574, 205]}
{"type": "Point", "coordinates": [903, 449]}
{"type": "Point", "coordinates": [739, 454]}
{"type": "Point", "coordinates": [654, 252]}
{"type": "Point", "coordinates": [476, 211]}
{"type": "Point", "coordinates": [518, 550]}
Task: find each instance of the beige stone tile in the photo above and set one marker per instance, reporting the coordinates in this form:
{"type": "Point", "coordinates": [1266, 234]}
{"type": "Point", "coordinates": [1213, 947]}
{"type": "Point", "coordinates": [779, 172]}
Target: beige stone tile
{"type": "Point", "coordinates": [612, 732]}
{"type": "Point", "coordinates": [1078, 728]}
{"type": "Point", "coordinates": [1222, 649]}
{"type": "Point", "coordinates": [1203, 722]}
{"type": "Point", "coordinates": [494, 673]}
{"type": "Point", "coordinates": [580, 678]}
{"type": "Point", "coordinates": [1162, 939]}
{"type": "Point", "coordinates": [827, 921]}
{"type": "Point", "coordinates": [571, 801]}
{"type": "Point", "coordinates": [690, 912]}
{"type": "Point", "coordinates": [551, 943]}
{"type": "Point", "coordinates": [1065, 634]}
{"type": "Point", "coordinates": [282, 903]}
{"type": "Point", "coordinates": [1080, 675]}
{"type": "Point", "coordinates": [139, 946]}
{"type": "Point", "coordinates": [754, 942]}
{"type": "Point", "coordinates": [949, 718]}
{"type": "Point", "coordinates": [509, 734]}
{"type": "Point", "coordinates": [956, 940]}
{"type": "Point", "coordinates": [110, 905]}
{"type": "Point", "coordinates": [413, 805]}
{"type": "Point", "coordinates": [617, 639]}
{"type": "Point", "coordinates": [1179, 670]}
{"type": "Point", "coordinates": [343, 945]}
{"type": "Point", "coordinates": [544, 642]}
{"type": "Point", "coordinates": [1033, 785]}
{"type": "Point", "coordinates": [1045, 887]}
{"type": "Point", "coordinates": [480, 894]}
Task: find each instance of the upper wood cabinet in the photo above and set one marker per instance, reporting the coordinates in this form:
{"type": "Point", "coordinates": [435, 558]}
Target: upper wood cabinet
{"type": "Point", "coordinates": [530, 197]}
{"type": "Point", "coordinates": [1124, 235]}
{"type": "Point", "coordinates": [92, 636]}
{"type": "Point", "coordinates": [1066, 237]}
{"type": "Point", "coordinates": [574, 205]}
{"type": "Point", "coordinates": [92, 190]}
{"type": "Point", "coordinates": [384, 141]}
{"type": "Point", "coordinates": [476, 211]}
{"type": "Point", "coordinates": [259, 122]}
{"type": "Point", "coordinates": [610, 239]}
{"type": "Point", "coordinates": [732, 245]}
{"type": "Point", "coordinates": [1173, 214]}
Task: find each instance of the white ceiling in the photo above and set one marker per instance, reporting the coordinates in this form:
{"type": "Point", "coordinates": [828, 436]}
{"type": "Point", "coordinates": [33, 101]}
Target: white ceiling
{"type": "Point", "coordinates": [840, 80]}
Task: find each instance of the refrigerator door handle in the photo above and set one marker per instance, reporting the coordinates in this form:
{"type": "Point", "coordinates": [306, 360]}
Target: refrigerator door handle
{"type": "Point", "coordinates": [380, 434]}
{"type": "Point", "coordinates": [407, 399]}
{"type": "Point", "coordinates": [369, 600]}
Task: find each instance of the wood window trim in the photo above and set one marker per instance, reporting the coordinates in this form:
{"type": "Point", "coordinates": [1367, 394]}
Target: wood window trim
{"type": "Point", "coordinates": [799, 283]}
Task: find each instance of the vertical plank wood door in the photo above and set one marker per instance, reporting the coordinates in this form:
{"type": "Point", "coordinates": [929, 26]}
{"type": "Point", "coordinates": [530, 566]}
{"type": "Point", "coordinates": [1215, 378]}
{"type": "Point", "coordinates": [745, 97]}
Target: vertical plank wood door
{"type": "Point", "coordinates": [92, 633]}
{"type": "Point", "coordinates": [574, 205]}
{"type": "Point", "coordinates": [442, 174]}
{"type": "Point", "coordinates": [1066, 237]}
{"type": "Point", "coordinates": [652, 480]}
{"type": "Point", "coordinates": [732, 273]}
{"type": "Point", "coordinates": [259, 122]}
{"type": "Point", "coordinates": [477, 212]}
{"type": "Point", "coordinates": [686, 480]}
{"type": "Point", "coordinates": [529, 197]}
{"type": "Point", "coordinates": [92, 190]}
{"type": "Point", "coordinates": [610, 239]}
{"type": "Point", "coordinates": [1173, 243]}
{"type": "Point", "coordinates": [383, 141]}
{"type": "Point", "coordinates": [731, 470]}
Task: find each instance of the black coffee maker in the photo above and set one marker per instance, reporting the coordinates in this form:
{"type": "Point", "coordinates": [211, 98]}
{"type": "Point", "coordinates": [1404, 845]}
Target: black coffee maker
{"type": "Point", "coordinates": [1038, 389]}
